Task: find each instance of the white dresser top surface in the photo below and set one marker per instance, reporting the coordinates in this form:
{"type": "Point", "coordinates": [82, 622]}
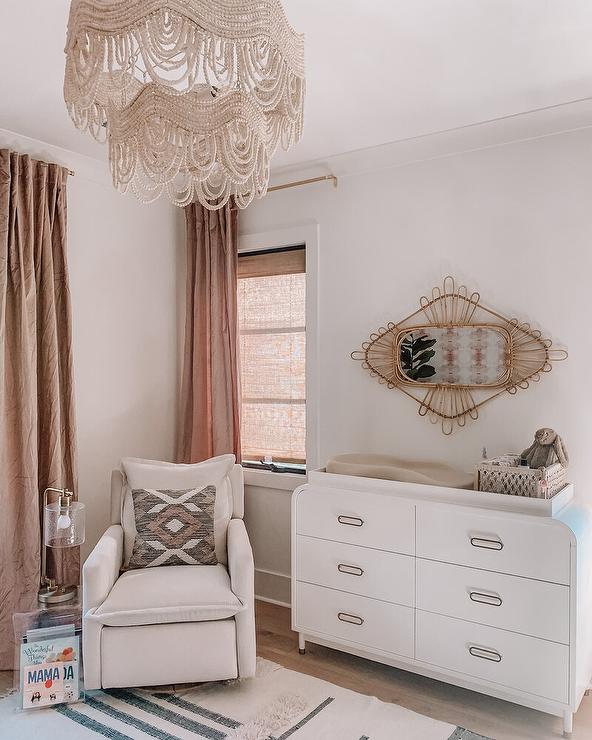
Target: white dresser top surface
{"type": "Point", "coordinates": [440, 494]}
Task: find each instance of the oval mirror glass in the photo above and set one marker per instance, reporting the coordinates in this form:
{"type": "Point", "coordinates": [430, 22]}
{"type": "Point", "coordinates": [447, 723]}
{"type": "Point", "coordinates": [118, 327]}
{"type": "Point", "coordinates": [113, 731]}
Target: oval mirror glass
{"type": "Point", "coordinates": [455, 355]}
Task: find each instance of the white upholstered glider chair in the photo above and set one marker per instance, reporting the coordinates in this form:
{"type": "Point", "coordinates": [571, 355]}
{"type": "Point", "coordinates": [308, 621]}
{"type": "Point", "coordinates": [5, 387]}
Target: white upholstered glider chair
{"type": "Point", "coordinates": [170, 624]}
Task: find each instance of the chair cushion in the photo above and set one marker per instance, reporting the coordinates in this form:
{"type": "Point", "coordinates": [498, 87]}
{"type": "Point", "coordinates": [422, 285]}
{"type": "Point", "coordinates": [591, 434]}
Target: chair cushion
{"type": "Point", "coordinates": [177, 593]}
{"type": "Point", "coordinates": [153, 474]}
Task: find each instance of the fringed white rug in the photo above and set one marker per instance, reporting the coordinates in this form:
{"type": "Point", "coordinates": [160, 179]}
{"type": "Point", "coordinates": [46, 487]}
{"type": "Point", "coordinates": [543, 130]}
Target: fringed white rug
{"type": "Point", "coordinates": [275, 705]}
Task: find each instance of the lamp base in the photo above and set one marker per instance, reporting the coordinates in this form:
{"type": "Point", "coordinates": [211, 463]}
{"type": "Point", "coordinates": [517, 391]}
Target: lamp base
{"type": "Point", "coordinates": [56, 594]}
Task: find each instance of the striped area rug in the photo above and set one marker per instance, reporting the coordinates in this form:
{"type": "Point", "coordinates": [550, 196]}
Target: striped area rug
{"type": "Point", "coordinates": [275, 705]}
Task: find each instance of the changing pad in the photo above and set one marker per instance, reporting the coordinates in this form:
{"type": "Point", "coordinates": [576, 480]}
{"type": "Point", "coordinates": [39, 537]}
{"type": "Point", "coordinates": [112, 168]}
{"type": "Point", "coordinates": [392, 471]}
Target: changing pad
{"type": "Point", "coordinates": [394, 468]}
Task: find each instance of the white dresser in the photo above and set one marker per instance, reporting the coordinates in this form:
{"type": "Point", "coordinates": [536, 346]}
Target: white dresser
{"type": "Point", "coordinates": [489, 592]}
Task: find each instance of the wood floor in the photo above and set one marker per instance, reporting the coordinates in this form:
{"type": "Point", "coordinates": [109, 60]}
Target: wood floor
{"type": "Point", "coordinates": [487, 716]}
{"type": "Point", "coordinates": [484, 715]}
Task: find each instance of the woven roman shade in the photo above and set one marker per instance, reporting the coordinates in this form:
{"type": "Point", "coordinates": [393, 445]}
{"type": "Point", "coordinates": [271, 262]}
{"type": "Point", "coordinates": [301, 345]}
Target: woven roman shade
{"type": "Point", "coordinates": [271, 307]}
{"type": "Point", "coordinates": [265, 264]}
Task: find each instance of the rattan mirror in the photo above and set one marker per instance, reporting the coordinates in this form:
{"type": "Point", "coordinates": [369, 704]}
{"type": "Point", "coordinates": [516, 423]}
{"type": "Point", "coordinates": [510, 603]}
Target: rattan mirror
{"type": "Point", "coordinates": [453, 355]}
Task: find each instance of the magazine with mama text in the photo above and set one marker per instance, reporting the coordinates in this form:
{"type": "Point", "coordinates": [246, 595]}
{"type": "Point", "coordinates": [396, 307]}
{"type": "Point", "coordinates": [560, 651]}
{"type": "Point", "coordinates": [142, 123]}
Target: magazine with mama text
{"type": "Point", "coordinates": [49, 668]}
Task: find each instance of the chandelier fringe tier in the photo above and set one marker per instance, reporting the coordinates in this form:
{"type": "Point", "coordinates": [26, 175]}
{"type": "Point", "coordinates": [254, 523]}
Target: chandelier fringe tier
{"type": "Point", "coordinates": [193, 98]}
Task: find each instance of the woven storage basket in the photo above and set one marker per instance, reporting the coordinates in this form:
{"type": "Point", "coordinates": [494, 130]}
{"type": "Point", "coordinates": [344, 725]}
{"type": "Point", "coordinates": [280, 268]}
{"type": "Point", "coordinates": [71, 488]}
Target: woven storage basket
{"type": "Point", "coordinates": [506, 475]}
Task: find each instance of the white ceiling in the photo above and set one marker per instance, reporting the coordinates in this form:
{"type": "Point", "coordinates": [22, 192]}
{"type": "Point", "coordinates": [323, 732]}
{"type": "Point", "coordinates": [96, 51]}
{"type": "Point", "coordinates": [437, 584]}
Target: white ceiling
{"type": "Point", "coordinates": [377, 70]}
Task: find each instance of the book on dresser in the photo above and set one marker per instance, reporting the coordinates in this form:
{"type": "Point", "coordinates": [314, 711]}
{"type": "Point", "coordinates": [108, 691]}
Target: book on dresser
{"type": "Point", "coordinates": [485, 591]}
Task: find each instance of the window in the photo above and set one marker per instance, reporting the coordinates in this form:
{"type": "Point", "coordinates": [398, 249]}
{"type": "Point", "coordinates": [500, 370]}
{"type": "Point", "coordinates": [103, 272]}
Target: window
{"type": "Point", "coordinates": [271, 308]}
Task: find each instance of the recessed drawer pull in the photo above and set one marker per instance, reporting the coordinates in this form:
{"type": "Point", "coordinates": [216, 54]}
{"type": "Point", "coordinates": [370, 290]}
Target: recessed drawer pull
{"type": "Point", "coordinates": [490, 599]}
{"type": "Point", "coordinates": [350, 618]}
{"type": "Point", "coordinates": [487, 544]}
{"type": "Point", "coordinates": [352, 521]}
{"type": "Point", "coordinates": [352, 570]}
{"type": "Point", "coordinates": [485, 654]}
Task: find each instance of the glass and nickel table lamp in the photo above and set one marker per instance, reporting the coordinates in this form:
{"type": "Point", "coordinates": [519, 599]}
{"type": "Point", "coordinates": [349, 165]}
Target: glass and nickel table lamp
{"type": "Point", "coordinates": [63, 527]}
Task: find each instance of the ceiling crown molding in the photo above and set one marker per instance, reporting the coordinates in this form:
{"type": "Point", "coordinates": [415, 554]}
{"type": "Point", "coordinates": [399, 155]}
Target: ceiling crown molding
{"type": "Point", "coordinates": [536, 124]}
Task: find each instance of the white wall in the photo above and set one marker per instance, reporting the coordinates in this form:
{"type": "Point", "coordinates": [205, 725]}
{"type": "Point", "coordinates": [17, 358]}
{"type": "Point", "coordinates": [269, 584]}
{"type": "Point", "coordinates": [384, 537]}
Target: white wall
{"type": "Point", "coordinates": [124, 259]}
{"type": "Point", "coordinates": [513, 222]}
{"type": "Point", "coordinates": [267, 519]}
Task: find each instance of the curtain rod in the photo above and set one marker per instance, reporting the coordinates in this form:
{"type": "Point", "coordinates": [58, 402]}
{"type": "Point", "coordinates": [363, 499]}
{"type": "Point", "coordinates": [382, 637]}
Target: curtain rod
{"type": "Point", "coordinates": [47, 164]}
{"type": "Point", "coordinates": [296, 183]}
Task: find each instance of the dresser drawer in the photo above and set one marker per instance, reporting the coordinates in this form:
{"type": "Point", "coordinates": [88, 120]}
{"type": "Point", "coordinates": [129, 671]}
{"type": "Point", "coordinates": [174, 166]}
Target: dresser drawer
{"type": "Point", "coordinates": [347, 617]}
{"type": "Point", "coordinates": [359, 570]}
{"type": "Point", "coordinates": [532, 607]}
{"type": "Point", "coordinates": [516, 661]}
{"type": "Point", "coordinates": [366, 519]}
{"type": "Point", "coordinates": [519, 546]}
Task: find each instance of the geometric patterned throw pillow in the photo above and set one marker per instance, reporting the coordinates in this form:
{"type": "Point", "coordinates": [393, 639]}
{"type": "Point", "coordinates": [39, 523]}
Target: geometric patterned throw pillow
{"type": "Point", "coordinates": [174, 527]}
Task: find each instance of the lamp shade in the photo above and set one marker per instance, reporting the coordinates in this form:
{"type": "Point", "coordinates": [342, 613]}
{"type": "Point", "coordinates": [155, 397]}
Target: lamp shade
{"type": "Point", "coordinates": [193, 97]}
{"type": "Point", "coordinates": [64, 525]}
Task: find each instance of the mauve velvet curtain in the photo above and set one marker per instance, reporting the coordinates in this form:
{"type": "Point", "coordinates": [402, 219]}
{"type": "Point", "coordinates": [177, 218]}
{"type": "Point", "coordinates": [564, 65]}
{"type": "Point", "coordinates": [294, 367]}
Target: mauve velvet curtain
{"type": "Point", "coordinates": [37, 433]}
{"type": "Point", "coordinates": [209, 410]}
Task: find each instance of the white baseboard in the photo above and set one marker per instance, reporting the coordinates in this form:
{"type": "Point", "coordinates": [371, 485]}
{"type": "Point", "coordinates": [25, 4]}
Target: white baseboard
{"type": "Point", "coordinates": [273, 587]}
{"type": "Point", "coordinates": [272, 601]}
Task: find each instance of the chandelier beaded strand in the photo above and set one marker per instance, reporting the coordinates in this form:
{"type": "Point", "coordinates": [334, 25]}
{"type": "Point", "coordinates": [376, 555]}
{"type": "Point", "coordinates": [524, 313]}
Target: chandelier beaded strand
{"type": "Point", "coordinates": [193, 97]}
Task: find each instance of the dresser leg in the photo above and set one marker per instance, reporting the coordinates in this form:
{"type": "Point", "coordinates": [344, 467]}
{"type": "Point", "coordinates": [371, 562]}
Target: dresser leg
{"type": "Point", "coordinates": [567, 723]}
{"type": "Point", "coordinates": [301, 643]}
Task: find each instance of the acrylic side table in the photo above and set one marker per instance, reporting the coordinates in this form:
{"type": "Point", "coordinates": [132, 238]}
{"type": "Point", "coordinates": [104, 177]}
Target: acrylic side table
{"type": "Point", "coordinates": [50, 638]}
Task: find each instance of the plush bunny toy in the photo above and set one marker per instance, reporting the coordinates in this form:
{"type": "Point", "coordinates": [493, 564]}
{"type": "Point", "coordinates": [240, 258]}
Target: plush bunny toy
{"type": "Point", "coordinates": [546, 450]}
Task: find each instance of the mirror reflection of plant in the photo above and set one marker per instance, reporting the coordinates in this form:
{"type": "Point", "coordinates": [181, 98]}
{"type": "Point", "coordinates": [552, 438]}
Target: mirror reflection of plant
{"type": "Point", "coordinates": [415, 356]}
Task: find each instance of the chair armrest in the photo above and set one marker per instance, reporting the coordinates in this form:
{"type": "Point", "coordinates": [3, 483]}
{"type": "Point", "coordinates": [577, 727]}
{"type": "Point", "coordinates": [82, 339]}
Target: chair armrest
{"type": "Point", "coordinates": [240, 561]}
{"type": "Point", "coordinates": [242, 582]}
{"type": "Point", "coordinates": [101, 568]}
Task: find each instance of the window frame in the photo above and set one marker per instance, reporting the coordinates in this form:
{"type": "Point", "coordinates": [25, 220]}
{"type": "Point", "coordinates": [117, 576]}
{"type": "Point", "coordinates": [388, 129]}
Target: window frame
{"type": "Point", "coordinates": [296, 236]}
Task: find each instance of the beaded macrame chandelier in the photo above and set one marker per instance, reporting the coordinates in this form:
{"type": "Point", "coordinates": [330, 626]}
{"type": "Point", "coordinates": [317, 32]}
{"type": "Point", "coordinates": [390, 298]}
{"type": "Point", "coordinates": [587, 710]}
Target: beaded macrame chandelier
{"type": "Point", "coordinates": [192, 96]}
